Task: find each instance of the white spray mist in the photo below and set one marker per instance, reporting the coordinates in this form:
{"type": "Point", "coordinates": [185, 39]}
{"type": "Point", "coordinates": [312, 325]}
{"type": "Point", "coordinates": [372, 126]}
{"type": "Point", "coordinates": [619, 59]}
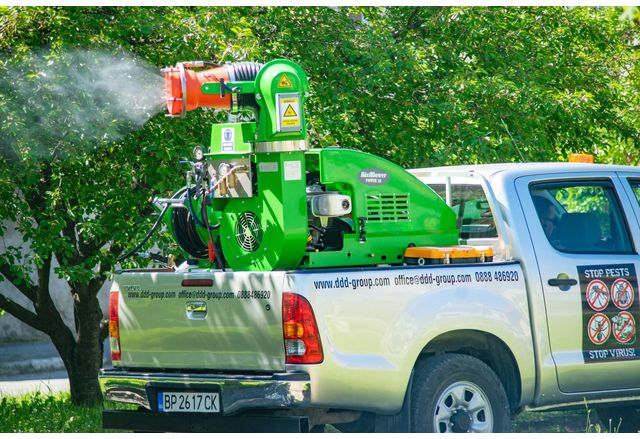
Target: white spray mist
{"type": "Point", "coordinates": [76, 98]}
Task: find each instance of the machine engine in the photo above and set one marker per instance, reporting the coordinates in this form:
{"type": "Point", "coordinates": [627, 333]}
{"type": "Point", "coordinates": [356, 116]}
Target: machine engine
{"type": "Point", "coordinates": [260, 200]}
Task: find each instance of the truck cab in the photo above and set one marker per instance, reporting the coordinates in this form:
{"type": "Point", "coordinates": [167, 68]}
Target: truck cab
{"type": "Point", "coordinates": [574, 228]}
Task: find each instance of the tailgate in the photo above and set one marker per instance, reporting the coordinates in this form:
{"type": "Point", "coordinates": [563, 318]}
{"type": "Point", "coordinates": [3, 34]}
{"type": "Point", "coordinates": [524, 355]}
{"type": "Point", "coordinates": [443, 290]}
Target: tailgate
{"type": "Point", "coordinates": [201, 320]}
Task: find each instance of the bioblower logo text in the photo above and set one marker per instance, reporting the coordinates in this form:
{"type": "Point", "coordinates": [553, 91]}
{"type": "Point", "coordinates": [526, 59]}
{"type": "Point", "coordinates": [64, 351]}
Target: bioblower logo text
{"type": "Point", "coordinates": [373, 177]}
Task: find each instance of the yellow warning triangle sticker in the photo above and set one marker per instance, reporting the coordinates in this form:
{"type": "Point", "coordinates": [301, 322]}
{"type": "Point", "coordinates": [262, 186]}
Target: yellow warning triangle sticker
{"type": "Point", "coordinates": [284, 82]}
{"type": "Point", "coordinates": [290, 112]}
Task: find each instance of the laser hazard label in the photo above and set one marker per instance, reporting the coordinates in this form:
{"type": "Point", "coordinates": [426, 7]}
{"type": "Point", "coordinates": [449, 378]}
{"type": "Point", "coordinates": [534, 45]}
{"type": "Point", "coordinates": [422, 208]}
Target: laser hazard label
{"type": "Point", "coordinates": [284, 82]}
{"type": "Point", "coordinates": [608, 318]}
{"type": "Point", "coordinates": [289, 112]}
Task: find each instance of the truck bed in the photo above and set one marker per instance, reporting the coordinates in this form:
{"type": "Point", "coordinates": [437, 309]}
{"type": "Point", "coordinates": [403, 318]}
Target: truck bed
{"type": "Point", "coordinates": [373, 323]}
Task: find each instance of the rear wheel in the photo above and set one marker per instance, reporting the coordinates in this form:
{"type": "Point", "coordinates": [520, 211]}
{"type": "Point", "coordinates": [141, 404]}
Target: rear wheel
{"type": "Point", "coordinates": [455, 393]}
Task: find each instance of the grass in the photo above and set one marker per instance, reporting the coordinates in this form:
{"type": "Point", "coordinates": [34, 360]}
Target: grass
{"type": "Point", "coordinates": [567, 421]}
{"type": "Point", "coordinates": [54, 413]}
{"type": "Point", "coordinates": [49, 413]}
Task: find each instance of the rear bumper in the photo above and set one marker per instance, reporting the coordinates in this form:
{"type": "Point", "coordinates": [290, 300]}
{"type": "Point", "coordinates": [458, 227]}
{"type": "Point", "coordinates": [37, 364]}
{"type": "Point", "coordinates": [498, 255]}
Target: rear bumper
{"type": "Point", "coordinates": [237, 392]}
{"type": "Point", "coordinates": [202, 423]}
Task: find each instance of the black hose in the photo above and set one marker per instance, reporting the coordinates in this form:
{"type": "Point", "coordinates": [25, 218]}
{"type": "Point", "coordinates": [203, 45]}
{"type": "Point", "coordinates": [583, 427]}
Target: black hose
{"type": "Point", "coordinates": [146, 238]}
{"type": "Point", "coordinates": [189, 205]}
{"type": "Point", "coordinates": [219, 256]}
{"type": "Point", "coordinates": [199, 221]}
{"type": "Point", "coordinates": [245, 71]}
{"type": "Point", "coordinates": [184, 230]}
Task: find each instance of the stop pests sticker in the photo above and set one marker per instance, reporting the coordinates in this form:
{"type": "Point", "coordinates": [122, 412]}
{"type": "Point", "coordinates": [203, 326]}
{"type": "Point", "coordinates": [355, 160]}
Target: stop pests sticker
{"type": "Point", "coordinates": [608, 314]}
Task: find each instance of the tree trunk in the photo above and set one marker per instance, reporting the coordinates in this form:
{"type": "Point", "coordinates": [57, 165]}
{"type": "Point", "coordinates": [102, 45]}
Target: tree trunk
{"type": "Point", "coordinates": [81, 352]}
{"type": "Point", "coordinates": [82, 356]}
{"type": "Point", "coordinates": [83, 377]}
{"type": "Point", "coordinates": [87, 355]}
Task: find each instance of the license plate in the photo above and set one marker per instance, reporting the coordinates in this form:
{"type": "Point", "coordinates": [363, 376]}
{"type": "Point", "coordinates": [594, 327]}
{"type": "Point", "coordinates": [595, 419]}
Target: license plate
{"type": "Point", "coordinates": [188, 402]}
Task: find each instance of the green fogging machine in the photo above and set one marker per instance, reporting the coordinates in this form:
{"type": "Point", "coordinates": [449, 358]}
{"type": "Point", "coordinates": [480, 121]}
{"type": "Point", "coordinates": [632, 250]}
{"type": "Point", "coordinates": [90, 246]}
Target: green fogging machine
{"type": "Point", "coordinates": [259, 199]}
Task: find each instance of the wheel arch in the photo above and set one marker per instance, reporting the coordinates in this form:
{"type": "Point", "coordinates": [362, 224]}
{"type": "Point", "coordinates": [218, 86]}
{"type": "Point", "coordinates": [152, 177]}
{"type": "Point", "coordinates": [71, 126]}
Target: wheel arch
{"type": "Point", "coordinates": [487, 348]}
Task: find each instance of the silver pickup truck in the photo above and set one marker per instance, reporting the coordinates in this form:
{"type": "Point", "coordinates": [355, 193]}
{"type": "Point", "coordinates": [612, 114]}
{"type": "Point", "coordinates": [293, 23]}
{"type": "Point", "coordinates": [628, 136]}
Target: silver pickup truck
{"type": "Point", "coordinates": [550, 323]}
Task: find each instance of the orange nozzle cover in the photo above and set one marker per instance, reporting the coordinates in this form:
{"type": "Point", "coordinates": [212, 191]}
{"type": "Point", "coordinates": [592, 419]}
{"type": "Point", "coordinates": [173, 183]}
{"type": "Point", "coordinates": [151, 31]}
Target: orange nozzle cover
{"type": "Point", "coordinates": [193, 81]}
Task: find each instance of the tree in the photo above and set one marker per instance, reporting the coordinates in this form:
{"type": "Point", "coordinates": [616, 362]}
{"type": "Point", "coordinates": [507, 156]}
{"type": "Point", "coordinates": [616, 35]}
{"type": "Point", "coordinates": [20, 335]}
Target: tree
{"type": "Point", "coordinates": [76, 179]}
{"type": "Point", "coordinates": [433, 86]}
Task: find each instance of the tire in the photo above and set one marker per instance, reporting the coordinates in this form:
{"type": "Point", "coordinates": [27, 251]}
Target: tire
{"type": "Point", "coordinates": [458, 393]}
{"type": "Point", "coordinates": [623, 419]}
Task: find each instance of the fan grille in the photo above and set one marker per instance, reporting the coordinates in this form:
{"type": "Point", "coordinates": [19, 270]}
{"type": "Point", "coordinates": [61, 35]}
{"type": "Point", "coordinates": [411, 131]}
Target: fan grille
{"type": "Point", "coordinates": [249, 231]}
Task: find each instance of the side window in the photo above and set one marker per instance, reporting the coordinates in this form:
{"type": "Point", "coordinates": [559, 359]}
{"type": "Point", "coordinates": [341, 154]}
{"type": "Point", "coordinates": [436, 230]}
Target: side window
{"type": "Point", "coordinates": [635, 187]}
{"type": "Point", "coordinates": [581, 217]}
{"type": "Point", "coordinates": [475, 219]}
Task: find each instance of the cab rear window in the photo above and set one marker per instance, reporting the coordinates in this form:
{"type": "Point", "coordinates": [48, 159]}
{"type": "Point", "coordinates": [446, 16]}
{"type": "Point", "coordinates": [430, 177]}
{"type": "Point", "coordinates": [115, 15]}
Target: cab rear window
{"type": "Point", "coordinates": [475, 219]}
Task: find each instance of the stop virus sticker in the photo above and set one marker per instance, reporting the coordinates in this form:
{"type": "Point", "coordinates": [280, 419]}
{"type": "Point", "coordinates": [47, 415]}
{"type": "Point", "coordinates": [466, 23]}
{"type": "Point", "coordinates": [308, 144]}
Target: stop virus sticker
{"type": "Point", "coordinates": [609, 315]}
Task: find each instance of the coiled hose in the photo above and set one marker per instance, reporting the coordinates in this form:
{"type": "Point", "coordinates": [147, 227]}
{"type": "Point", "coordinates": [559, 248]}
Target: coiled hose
{"type": "Point", "coordinates": [183, 222]}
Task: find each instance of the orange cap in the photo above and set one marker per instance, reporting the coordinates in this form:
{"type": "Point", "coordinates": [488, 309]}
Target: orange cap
{"type": "Point", "coordinates": [581, 158]}
{"type": "Point", "coordinates": [173, 82]}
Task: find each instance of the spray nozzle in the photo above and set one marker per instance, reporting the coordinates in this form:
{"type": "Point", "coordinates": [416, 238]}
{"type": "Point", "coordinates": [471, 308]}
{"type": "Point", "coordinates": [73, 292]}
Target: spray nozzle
{"type": "Point", "coordinates": [183, 87]}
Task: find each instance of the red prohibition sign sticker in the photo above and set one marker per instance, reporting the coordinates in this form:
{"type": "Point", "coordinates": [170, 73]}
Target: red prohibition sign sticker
{"type": "Point", "coordinates": [622, 293]}
{"type": "Point", "coordinates": [599, 328]}
{"type": "Point", "coordinates": [597, 295]}
{"type": "Point", "coordinates": [624, 327]}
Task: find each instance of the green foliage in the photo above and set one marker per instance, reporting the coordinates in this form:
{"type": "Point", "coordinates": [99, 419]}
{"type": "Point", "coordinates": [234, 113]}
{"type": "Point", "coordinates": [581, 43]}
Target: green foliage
{"type": "Point", "coordinates": [432, 86]}
{"type": "Point", "coordinates": [420, 86]}
{"type": "Point", "coordinates": [38, 413]}
{"type": "Point", "coordinates": [565, 421]}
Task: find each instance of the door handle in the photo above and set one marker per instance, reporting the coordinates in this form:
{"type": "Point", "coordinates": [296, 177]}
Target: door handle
{"type": "Point", "coordinates": [560, 282]}
{"type": "Point", "coordinates": [196, 310]}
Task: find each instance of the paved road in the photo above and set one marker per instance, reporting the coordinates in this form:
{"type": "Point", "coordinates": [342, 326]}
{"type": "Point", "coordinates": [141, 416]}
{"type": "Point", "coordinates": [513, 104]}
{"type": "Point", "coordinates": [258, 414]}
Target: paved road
{"type": "Point", "coordinates": [45, 382]}
{"type": "Point", "coordinates": [28, 367]}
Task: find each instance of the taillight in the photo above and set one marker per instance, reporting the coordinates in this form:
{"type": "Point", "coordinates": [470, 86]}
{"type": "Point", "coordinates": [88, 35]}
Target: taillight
{"type": "Point", "coordinates": [301, 337]}
{"type": "Point", "coordinates": [114, 330]}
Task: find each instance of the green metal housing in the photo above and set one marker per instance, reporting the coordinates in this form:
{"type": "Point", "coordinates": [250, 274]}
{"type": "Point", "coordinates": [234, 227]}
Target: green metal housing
{"type": "Point", "coordinates": [271, 227]}
{"type": "Point", "coordinates": [269, 231]}
{"type": "Point", "coordinates": [279, 80]}
{"type": "Point", "coordinates": [393, 207]}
